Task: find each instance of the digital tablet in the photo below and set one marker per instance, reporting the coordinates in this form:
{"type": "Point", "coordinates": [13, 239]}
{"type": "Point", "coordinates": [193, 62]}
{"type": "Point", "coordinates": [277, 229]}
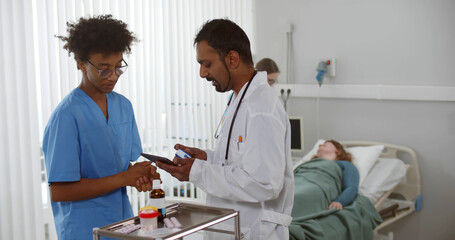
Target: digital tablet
{"type": "Point", "coordinates": [154, 158]}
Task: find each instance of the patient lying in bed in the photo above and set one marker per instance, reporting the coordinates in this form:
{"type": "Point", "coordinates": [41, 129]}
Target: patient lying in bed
{"type": "Point", "coordinates": [322, 188]}
{"type": "Point", "coordinates": [333, 150]}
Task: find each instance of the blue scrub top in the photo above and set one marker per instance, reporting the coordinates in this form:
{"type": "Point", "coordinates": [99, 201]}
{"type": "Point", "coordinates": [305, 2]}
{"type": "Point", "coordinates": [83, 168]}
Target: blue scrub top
{"type": "Point", "coordinates": [79, 142]}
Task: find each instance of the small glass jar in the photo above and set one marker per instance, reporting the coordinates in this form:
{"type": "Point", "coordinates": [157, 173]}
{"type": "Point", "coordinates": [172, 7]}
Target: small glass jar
{"type": "Point", "coordinates": [149, 219]}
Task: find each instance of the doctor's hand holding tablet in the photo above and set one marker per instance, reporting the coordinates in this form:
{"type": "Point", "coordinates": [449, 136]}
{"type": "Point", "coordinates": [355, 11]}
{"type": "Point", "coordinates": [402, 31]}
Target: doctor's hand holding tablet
{"type": "Point", "coordinates": [184, 158]}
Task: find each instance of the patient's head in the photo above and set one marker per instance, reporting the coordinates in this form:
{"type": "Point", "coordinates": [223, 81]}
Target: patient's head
{"type": "Point", "coordinates": [268, 65]}
{"type": "Point", "coordinates": [333, 150]}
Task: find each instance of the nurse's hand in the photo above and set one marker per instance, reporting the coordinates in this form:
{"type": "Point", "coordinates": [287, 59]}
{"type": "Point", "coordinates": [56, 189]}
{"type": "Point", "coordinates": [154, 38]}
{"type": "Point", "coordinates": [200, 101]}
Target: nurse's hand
{"type": "Point", "coordinates": [154, 174]}
{"type": "Point", "coordinates": [336, 205]}
{"type": "Point", "coordinates": [194, 152]}
{"type": "Point", "coordinates": [138, 176]}
{"type": "Point", "coordinates": [144, 184]}
{"type": "Point", "coordinates": [182, 171]}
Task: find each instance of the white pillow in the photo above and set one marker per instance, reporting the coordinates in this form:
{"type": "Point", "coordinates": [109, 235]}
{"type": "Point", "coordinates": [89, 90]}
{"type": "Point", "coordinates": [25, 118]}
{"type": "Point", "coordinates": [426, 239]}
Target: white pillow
{"type": "Point", "coordinates": [364, 158]}
{"type": "Point", "coordinates": [384, 175]}
{"type": "Point", "coordinates": [313, 151]}
{"type": "Point", "coordinates": [310, 154]}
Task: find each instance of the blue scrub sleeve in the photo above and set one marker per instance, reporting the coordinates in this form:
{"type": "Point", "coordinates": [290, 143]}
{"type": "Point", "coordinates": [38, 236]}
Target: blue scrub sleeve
{"type": "Point", "coordinates": [350, 185]}
{"type": "Point", "coordinates": [61, 149]}
{"type": "Point", "coordinates": [136, 147]}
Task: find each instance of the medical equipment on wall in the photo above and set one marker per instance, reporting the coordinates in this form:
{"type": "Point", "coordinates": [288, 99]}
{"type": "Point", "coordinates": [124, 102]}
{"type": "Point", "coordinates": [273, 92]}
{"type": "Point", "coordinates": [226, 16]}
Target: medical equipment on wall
{"type": "Point", "coordinates": [322, 69]}
{"type": "Point", "coordinates": [296, 134]}
{"type": "Point", "coordinates": [289, 59]}
{"type": "Point", "coordinates": [289, 64]}
{"type": "Point", "coordinates": [285, 99]}
{"type": "Point", "coordinates": [326, 68]}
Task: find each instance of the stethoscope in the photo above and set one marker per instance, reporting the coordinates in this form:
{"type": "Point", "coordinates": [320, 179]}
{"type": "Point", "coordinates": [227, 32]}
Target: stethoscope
{"type": "Point", "coordinates": [233, 118]}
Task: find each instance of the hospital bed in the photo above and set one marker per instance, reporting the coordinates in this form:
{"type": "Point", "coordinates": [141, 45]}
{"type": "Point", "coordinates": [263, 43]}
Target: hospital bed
{"type": "Point", "coordinates": [405, 192]}
{"type": "Point", "coordinates": [391, 181]}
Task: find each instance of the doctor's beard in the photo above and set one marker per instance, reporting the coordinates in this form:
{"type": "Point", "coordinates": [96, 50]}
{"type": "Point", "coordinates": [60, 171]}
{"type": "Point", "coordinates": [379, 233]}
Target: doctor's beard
{"type": "Point", "coordinates": [217, 84]}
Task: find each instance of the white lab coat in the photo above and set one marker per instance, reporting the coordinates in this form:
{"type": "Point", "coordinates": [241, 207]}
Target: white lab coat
{"type": "Point", "coordinates": [258, 179]}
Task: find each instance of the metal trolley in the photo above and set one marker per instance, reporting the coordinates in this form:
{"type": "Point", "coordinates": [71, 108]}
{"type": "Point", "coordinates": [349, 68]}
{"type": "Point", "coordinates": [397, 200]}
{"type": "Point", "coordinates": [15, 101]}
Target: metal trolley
{"type": "Point", "coordinates": [192, 217]}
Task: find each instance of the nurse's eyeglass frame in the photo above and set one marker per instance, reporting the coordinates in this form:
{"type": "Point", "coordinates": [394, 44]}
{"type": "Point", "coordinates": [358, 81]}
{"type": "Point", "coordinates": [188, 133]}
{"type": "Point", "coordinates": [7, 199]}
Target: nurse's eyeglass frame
{"type": "Point", "coordinates": [105, 73]}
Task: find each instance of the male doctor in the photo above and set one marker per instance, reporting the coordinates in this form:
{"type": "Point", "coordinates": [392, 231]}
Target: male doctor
{"type": "Point", "coordinates": [250, 169]}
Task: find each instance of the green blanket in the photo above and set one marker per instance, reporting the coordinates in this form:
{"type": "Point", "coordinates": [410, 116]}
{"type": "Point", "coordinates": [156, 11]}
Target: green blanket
{"type": "Point", "coordinates": [317, 184]}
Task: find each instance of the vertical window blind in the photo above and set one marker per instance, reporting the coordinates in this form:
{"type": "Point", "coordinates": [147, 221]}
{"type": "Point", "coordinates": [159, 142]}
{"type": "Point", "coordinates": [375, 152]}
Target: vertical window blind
{"type": "Point", "coordinates": [20, 204]}
{"type": "Point", "coordinates": [172, 103]}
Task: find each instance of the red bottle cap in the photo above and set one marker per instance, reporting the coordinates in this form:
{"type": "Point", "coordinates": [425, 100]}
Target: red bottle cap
{"type": "Point", "coordinates": [148, 213]}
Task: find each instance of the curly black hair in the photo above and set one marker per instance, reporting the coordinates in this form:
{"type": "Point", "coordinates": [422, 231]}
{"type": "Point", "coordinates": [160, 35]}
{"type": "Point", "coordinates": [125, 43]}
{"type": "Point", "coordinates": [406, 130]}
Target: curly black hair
{"type": "Point", "coordinates": [99, 34]}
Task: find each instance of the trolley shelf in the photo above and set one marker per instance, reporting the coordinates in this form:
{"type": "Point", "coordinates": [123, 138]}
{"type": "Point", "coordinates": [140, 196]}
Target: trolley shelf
{"type": "Point", "coordinates": [192, 217]}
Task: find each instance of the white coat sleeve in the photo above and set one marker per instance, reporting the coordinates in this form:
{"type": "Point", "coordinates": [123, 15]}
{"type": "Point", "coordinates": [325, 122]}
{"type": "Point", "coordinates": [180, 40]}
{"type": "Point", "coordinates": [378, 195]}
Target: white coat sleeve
{"type": "Point", "coordinates": [258, 173]}
{"type": "Point", "coordinates": [210, 154]}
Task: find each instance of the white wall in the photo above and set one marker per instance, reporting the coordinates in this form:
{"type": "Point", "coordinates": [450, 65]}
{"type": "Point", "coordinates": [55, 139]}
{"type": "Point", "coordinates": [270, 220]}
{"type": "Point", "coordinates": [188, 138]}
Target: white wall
{"type": "Point", "coordinates": [376, 42]}
{"type": "Point", "coordinates": [388, 42]}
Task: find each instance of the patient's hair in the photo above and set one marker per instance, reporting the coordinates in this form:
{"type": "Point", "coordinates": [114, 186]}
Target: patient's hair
{"type": "Point", "coordinates": [99, 34]}
{"type": "Point", "coordinates": [224, 35]}
{"type": "Point", "coordinates": [268, 65]}
{"type": "Point", "coordinates": [342, 155]}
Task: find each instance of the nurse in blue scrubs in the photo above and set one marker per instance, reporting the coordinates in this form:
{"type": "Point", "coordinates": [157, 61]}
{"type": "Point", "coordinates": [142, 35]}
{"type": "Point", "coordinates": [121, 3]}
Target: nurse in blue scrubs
{"type": "Point", "coordinates": [91, 137]}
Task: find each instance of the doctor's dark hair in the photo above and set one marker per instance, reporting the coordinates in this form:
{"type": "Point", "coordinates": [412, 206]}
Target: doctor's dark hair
{"type": "Point", "coordinates": [99, 34]}
{"type": "Point", "coordinates": [224, 35]}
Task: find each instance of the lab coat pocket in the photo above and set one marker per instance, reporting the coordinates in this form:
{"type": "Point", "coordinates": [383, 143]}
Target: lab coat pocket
{"type": "Point", "coordinates": [237, 147]}
{"type": "Point", "coordinates": [274, 225]}
{"type": "Point", "coordinates": [238, 141]}
{"type": "Point", "coordinates": [238, 144]}
{"type": "Point", "coordinates": [236, 151]}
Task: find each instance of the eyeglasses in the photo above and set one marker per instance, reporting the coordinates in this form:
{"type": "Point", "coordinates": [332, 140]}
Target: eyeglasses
{"type": "Point", "coordinates": [105, 73]}
{"type": "Point", "coordinates": [271, 81]}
